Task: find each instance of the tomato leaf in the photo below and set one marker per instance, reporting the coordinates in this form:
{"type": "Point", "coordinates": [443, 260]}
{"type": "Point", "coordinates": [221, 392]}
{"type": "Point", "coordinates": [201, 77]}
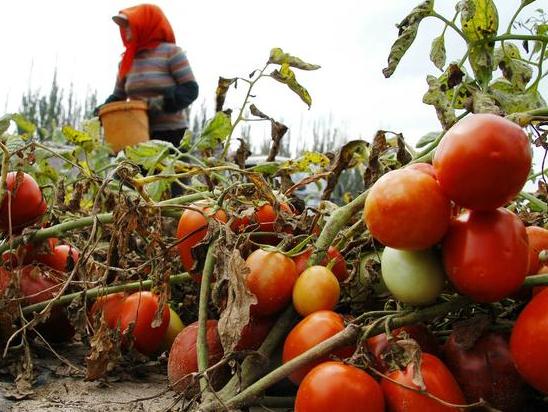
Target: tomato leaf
{"type": "Point", "coordinates": [437, 53]}
{"type": "Point", "coordinates": [277, 132]}
{"type": "Point", "coordinates": [24, 126]}
{"type": "Point", "coordinates": [513, 69]}
{"type": "Point", "coordinates": [277, 56]}
{"type": "Point", "coordinates": [513, 100]}
{"type": "Point", "coordinates": [104, 352]}
{"type": "Point", "coordinates": [406, 35]}
{"type": "Point", "coordinates": [231, 271]}
{"type": "Point", "coordinates": [5, 122]}
{"type": "Point", "coordinates": [286, 76]}
{"type": "Point", "coordinates": [215, 131]}
{"type": "Point", "coordinates": [220, 94]}
{"type": "Point", "coordinates": [437, 97]}
{"type": "Point", "coordinates": [479, 22]}
{"type": "Point", "coordinates": [148, 154]}
{"type": "Point", "coordinates": [306, 162]}
{"type": "Point", "coordinates": [14, 142]}
{"type": "Point", "coordinates": [484, 103]}
{"type": "Point", "coordinates": [427, 139]}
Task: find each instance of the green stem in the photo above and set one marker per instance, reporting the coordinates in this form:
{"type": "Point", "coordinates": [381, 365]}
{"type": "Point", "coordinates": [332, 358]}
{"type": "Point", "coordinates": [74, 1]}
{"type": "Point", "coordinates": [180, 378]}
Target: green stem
{"type": "Point", "coordinates": [201, 342]}
{"type": "Point", "coordinates": [534, 200]}
{"type": "Point", "coordinates": [534, 85]}
{"type": "Point", "coordinates": [104, 218]}
{"type": "Point", "coordinates": [511, 36]}
{"type": "Point", "coordinates": [5, 169]}
{"type": "Point", "coordinates": [536, 280]}
{"type": "Point", "coordinates": [450, 24]}
{"type": "Point", "coordinates": [101, 291]}
{"type": "Point", "coordinates": [513, 19]}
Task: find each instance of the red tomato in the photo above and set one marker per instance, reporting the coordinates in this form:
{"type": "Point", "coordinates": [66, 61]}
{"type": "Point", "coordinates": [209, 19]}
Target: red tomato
{"type": "Point", "coordinates": [529, 342]}
{"type": "Point", "coordinates": [316, 289]}
{"type": "Point", "coordinates": [38, 285]}
{"type": "Point", "coordinates": [380, 347]}
{"type": "Point", "coordinates": [405, 209]}
{"type": "Point", "coordinates": [271, 279]}
{"type": "Point", "coordinates": [339, 269]}
{"type": "Point", "coordinates": [438, 381]}
{"type": "Point", "coordinates": [486, 254]}
{"type": "Point", "coordinates": [336, 387]}
{"type": "Point", "coordinates": [423, 167]}
{"type": "Point", "coordinates": [110, 306]}
{"type": "Point", "coordinates": [139, 308]}
{"type": "Point", "coordinates": [58, 257]}
{"type": "Point", "coordinates": [23, 201]}
{"type": "Point", "coordinates": [538, 241]}
{"type": "Point", "coordinates": [483, 161]}
{"type": "Point", "coordinates": [264, 215]}
{"type": "Point", "coordinates": [486, 370]}
{"type": "Point", "coordinates": [254, 333]}
{"type": "Point", "coordinates": [192, 229]}
{"type": "Point", "coordinates": [183, 359]}
{"type": "Point", "coordinates": [310, 331]}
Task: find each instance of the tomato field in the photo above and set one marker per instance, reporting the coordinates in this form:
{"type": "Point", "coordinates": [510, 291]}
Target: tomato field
{"type": "Point", "coordinates": [216, 284]}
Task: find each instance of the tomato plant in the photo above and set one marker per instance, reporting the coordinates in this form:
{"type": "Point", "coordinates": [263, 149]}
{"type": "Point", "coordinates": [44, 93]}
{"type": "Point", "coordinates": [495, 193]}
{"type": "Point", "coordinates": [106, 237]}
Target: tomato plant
{"type": "Point", "coordinates": [23, 204]}
{"type": "Point", "coordinates": [336, 387]}
{"type": "Point", "coordinates": [484, 369]}
{"type": "Point", "coordinates": [316, 288]}
{"type": "Point", "coordinates": [483, 161]}
{"type": "Point", "coordinates": [538, 241]}
{"type": "Point", "coordinates": [529, 341]}
{"type": "Point", "coordinates": [310, 331]}
{"type": "Point", "coordinates": [413, 277]}
{"type": "Point", "coordinates": [437, 379]}
{"type": "Point", "coordinates": [271, 279]}
{"type": "Point", "coordinates": [339, 268]}
{"type": "Point", "coordinates": [192, 229]}
{"type": "Point", "coordinates": [486, 254]}
{"type": "Point", "coordinates": [409, 199]}
{"type": "Point", "coordinates": [140, 308]}
{"type": "Point", "coordinates": [183, 359]}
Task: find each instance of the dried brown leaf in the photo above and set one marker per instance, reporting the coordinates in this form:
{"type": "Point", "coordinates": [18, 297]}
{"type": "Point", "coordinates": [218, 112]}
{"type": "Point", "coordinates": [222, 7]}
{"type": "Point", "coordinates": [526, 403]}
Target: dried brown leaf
{"type": "Point", "coordinates": [104, 352]}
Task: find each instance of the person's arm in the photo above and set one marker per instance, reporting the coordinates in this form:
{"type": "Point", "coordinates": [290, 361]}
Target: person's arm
{"type": "Point", "coordinates": [180, 97]}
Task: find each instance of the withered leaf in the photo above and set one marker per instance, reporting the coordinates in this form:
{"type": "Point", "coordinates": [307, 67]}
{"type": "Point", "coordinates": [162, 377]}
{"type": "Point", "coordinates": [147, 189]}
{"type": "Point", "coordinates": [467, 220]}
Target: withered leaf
{"type": "Point", "coordinates": [232, 270]}
{"type": "Point", "coordinates": [104, 352]}
{"type": "Point", "coordinates": [220, 94]}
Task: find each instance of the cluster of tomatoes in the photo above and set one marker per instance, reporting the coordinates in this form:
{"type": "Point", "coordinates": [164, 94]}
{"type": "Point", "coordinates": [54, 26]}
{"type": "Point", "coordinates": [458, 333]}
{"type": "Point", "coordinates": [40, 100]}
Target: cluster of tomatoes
{"type": "Point", "coordinates": [40, 268]}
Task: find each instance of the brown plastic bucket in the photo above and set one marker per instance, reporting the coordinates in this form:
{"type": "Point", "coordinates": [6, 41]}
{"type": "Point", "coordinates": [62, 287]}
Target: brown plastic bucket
{"type": "Point", "coordinates": [124, 123]}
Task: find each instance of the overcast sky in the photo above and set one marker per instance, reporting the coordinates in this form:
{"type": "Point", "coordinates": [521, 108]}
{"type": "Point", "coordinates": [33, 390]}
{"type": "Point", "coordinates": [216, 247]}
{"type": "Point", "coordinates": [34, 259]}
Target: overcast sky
{"type": "Point", "coordinates": [350, 39]}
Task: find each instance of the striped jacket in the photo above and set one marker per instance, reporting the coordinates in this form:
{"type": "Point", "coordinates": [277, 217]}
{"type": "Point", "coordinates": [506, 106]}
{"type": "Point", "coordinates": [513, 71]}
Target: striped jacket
{"type": "Point", "coordinates": [153, 73]}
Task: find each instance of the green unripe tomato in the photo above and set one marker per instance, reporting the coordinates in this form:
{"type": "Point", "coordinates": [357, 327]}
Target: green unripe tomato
{"type": "Point", "coordinates": [413, 277]}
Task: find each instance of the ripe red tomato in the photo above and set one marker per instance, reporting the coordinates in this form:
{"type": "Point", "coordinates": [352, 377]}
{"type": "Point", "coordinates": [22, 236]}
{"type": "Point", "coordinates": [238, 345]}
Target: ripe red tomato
{"type": "Point", "coordinates": [483, 161]}
{"type": "Point", "coordinates": [192, 229]}
{"type": "Point", "coordinates": [529, 342]}
{"type": "Point", "coordinates": [265, 216]}
{"type": "Point", "coordinates": [58, 257]}
{"type": "Point", "coordinates": [380, 347]}
{"type": "Point", "coordinates": [538, 241]}
{"type": "Point", "coordinates": [23, 202]}
{"type": "Point", "coordinates": [438, 381]}
{"type": "Point", "coordinates": [110, 306]}
{"type": "Point", "coordinates": [183, 359]}
{"type": "Point", "coordinates": [254, 333]}
{"type": "Point", "coordinates": [316, 289]}
{"type": "Point", "coordinates": [406, 209]}
{"type": "Point", "coordinates": [336, 387]}
{"type": "Point", "coordinates": [139, 308]}
{"type": "Point", "coordinates": [486, 370]}
{"type": "Point", "coordinates": [38, 285]}
{"type": "Point", "coordinates": [423, 167]}
{"type": "Point", "coordinates": [310, 331]}
{"type": "Point", "coordinates": [271, 279]}
{"type": "Point", "coordinates": [339, 269]}
{"type": "Point", "coordinates": [486, 254]}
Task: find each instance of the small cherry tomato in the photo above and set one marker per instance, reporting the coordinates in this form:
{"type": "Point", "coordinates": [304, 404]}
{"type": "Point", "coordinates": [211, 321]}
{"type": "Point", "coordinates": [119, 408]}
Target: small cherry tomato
{"type": "Point", "coordinates": [316, 288]}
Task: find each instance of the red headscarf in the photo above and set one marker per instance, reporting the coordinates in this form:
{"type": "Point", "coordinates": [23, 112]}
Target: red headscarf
{"type": "Point", "coordinates": [149, 27]}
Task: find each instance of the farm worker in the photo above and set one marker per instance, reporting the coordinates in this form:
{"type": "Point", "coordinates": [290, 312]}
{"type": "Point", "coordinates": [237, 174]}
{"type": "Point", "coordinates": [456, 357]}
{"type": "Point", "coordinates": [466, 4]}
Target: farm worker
{"type": "Point", "coordinates": [153, 68]}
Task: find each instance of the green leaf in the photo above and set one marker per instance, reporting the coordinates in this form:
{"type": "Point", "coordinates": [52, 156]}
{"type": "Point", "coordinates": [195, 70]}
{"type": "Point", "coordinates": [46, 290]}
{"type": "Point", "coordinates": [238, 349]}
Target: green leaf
{"type": "Point", "coordinates": [14, 143]}
{"type": "Point", "coordinates": [479, 21]}
{"type": "Point", "coordinates": [484, 103]}
{"type": "Point", "coordinates": [526, 2]}
{"type": "Point", "coordinates": [148, 154]}
{"type": "Point", "coordinates": [5, 123]}
{"type": "Point", "coordinates": [437, 97]}
{"type": "Point", "coordinates": [305, 162]}
{"type": "Point", "coordinates": [45, 173]}
{"type": "Point", "coordinates": [156, 189]}
{"type": "Point", "coordinates": [216, 130]}
{"type": "Point", "coordinates": [277, 56]}
{"type": "Point", "coordinates": [513, 69]}
{"type": "Point", "coordinates": [513, 100]}
{"type": "Point", "coordinates": [186, 141]}
{"type": "Point", "coordinates": [406, 35]}
{"type": "Point", "coordinates": [24, 127]}
{"type": "Point", "coordinates": [437, 53]}
{"type": "Point", "coordinates": [542, 30]}
{"type": "Point", "coordinates": [286, 76]}
{"type": "Point", "coordinates": [427, 139]}
{"type": "Point", "coordinates": [77, 137]}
